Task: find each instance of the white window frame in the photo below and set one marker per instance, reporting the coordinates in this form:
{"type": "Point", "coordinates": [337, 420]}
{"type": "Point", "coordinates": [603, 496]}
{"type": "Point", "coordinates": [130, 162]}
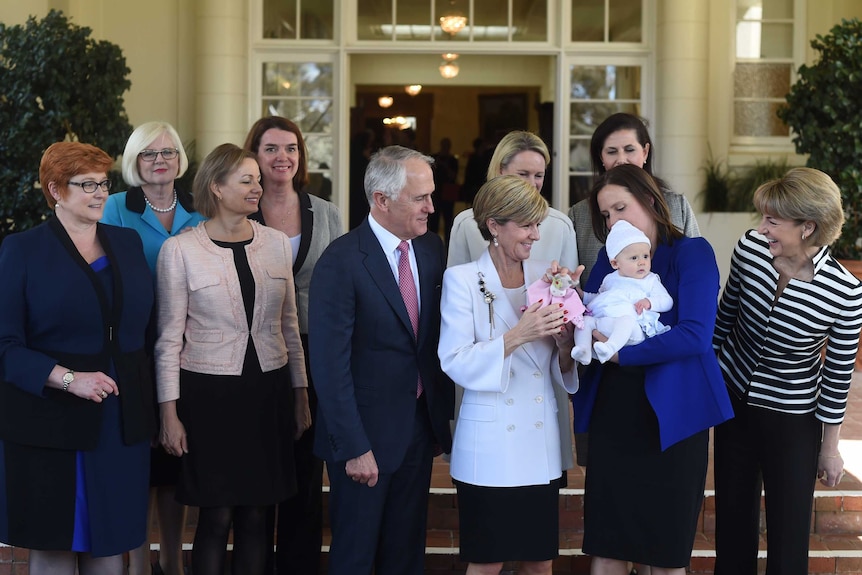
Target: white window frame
{"type": "Point", "coordinates": [259, 57]}
{"type": "Point", "coordinates": [643, 60]}
{"type": "Point", "coordinates": [764, 144]}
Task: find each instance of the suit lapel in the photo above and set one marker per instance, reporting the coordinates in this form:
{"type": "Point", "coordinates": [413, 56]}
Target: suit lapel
{"type": "Point", "coordinates": [306, 217]}
{"type": "Point", "coordinates": [381, 274]}
{"type": "Point", "coordinates": [429, 288]}
{"type": "Point", "coordinates": [505, 316]}
{"type": "Point", "coordinates": [503, 310]}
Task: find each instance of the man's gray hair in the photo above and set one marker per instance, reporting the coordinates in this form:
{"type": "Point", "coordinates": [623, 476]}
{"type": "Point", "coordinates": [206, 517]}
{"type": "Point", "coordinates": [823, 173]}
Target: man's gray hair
{"type": "Point", "coordinates": [386, 172]}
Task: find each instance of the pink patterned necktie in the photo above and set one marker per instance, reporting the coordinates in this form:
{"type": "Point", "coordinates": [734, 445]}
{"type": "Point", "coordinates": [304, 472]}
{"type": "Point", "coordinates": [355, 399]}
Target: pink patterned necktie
{"type": "Point", "coordinates": [408, 293]}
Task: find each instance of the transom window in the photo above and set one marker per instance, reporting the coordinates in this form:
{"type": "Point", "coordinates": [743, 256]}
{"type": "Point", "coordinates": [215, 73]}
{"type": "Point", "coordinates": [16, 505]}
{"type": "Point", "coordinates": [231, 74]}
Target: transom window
{"type": "Point", "coordinates": [466, 20]}
{"type": "Point", "coordinates": [607, 21]}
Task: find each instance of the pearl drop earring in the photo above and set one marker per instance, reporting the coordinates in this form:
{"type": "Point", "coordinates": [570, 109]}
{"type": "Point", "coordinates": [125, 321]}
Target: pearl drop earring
{"type": "Point", "coordinates": [496, 243]}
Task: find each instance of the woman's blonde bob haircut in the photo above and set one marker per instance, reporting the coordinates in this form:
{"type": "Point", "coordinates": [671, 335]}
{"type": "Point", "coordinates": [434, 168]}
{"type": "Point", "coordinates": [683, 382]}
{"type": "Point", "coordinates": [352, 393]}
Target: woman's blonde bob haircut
{"type": "Point", "coordinates": [803, 195]}
{"type": "Point", "coordinates": [513, 144]}
{"type": "Point", "coordinates": [508, 199]}
{"type": "Point", "coordinates": [142, 137]}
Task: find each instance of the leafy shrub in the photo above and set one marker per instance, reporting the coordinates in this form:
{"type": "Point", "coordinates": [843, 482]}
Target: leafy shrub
{"type": "Point", "coordinates": [57, 84]}
{"type": "Point", "coordinates": [824, 111]}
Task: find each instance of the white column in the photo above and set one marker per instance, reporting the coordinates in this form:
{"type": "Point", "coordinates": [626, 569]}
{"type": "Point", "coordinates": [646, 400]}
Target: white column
{"type": "Point", "coordinates": [221, 77]}
{"type": "Point", "coordinates": [681, 93]}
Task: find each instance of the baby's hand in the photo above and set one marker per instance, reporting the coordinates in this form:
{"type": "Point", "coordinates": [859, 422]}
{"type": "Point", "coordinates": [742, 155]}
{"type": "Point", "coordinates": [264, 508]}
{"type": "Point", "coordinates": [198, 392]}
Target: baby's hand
{"type": "Point", "coordinates": [641, 305]}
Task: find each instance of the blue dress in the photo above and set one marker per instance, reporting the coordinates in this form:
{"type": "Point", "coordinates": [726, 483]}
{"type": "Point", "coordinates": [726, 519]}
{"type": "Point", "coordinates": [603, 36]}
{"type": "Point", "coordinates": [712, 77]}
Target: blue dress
{"type": "Point", "coordinates": [74, 473]}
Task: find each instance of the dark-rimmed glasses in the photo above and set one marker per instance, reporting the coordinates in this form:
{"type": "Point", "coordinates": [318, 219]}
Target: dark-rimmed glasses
{"type": "Point", "coordinates": [167, 154]}
{"type": "Point", "coordinates": [90, 186]}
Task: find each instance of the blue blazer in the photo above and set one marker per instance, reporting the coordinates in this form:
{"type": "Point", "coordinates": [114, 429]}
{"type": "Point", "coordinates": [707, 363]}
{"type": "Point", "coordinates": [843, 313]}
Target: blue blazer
{"type": "Point", "coordinates": [53, 310]}
{"type": "Point", "coordinates": [129, 210]}
{"type": "Point", "coordinates": [365, 360]}
{"type": "Point", "coordinates": [682, 381]}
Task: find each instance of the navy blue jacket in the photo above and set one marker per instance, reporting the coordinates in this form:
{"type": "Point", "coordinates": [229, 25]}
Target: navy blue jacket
{"type": "Point", "coordinates": [365, 359]}
{"type": "Point", "coordinates": [53, 311]}
{"type": "Point", "coordinates": [683, 381]}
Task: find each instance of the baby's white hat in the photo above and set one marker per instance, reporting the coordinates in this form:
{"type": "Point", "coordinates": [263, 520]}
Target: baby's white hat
{"type": "Point", "coordinates": [621, 236]}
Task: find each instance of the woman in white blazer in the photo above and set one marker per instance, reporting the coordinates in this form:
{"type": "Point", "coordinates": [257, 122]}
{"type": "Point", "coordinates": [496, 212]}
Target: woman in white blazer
{"type": "Point", "coordinates": [506, 460]}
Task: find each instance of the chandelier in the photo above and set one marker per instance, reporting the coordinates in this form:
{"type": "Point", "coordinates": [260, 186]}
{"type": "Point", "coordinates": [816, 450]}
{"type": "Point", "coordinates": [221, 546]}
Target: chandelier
{"type": "Point", "coordinates": [454, 21]}
{"type": "Point", "coordinates": [385, 101]}
{"type": "Point", "coordinates": [449, 68]}
{"type": "Point", "coordinates": [413, 89]}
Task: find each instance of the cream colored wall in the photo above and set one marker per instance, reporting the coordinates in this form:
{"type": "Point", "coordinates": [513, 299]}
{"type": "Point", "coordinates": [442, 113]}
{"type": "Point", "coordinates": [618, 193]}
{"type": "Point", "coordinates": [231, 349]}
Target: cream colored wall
{"type": "Point", "coordinates": [157, 39]}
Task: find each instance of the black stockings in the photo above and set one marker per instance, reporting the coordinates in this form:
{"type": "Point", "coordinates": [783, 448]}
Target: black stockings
{"type": "Point", "coordinates": [211, 537]}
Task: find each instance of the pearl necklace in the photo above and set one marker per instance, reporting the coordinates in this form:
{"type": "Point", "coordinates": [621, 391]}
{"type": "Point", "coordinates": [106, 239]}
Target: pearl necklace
{"type": "Point", "coordinates": [162, 210]}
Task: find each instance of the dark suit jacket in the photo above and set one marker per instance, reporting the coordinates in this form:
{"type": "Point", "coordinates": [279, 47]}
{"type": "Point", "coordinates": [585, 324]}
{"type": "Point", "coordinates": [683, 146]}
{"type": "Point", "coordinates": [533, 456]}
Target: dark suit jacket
{"type": "Point", "coordinates": [364, 358]}
{"type": "Point", "coordinates": [53, 310]}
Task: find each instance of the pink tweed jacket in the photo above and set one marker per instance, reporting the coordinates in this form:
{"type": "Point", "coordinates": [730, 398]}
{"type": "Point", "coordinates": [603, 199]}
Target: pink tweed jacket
{"type": "Point", "coordinates": [201, 318]}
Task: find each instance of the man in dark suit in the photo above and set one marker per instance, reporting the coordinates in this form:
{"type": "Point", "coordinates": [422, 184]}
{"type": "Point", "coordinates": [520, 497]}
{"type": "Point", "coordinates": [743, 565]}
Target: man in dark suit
{"type": "Point", "coordinates": [384, 405]}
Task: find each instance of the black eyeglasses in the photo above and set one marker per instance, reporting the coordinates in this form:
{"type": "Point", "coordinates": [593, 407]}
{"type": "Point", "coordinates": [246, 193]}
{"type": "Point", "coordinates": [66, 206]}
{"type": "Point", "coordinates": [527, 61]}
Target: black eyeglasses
{"type": "Point", "coordinates": [167, 154]}
{"type": "Point", "coordinates": [90, 186]}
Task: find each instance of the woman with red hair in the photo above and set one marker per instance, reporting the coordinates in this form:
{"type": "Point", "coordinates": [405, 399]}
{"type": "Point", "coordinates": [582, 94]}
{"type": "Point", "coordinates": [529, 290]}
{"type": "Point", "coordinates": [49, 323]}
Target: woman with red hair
{"type": "Point", "coordinates": [76, 406]}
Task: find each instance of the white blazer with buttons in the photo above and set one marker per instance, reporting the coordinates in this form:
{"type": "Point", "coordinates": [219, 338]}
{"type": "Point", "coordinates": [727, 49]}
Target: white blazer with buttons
{"type": "Point", "coordinates": [508, 432]}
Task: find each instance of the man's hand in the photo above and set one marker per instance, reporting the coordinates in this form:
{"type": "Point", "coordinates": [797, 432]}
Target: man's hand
{"type": "Point", "coordinates": [363, 469]}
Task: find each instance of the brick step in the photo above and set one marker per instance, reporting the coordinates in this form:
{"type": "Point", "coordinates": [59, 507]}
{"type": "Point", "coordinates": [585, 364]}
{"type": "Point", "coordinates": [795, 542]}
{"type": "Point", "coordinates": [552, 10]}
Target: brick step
{"type": "Point", "coordinates": [835, 512]}
{"type": "Point", "coordinates": [835, 543]}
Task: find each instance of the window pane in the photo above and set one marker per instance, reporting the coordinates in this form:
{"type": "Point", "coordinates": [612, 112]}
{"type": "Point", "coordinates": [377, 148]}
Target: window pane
{"type": "Point", "coordinates": [316, 79]}
{"type": "Point", "coordinates": [761, 80]}
{"type": "Point", "coordinates": [588, 20]}
{"type": "Point", "coordinates": [291, 79]}
{"type": "Point", "coordinates": [317, 20]}
{"type": "Point", "coordinates": [758, 119]}
{"type": "Point", "coordinates": [310, 115]}
{"type": "Point", "coordinates": [777, 9]}
{"type": "Point", "coordinates": [756, 40]}
{"type": "Point", "coordinates": [372, 16]}
{"type": "Point", "coordinates": [413, 19]}
{"type": "Point", "coordinates": [579, 155]}
{"type": "Point", "coordinates": [624, 21]}
{"type": "Point", "coordinates": [320, 184]}
{"type": "Point", "coordinates": [286, 108]}
{"type": "Point", "coordinates": [772, 10]}
{"type": "Point", "coordinates": [530, 19]}
{"type": "Point", "coordinates": [319, 151]}
{"type": "Point", "coordinates": [777, 41]}
{"type": "Point", "coordinates": [281, 79]}
{"type": "Point", "coordinates": [579, 188]}
{"type": "Point", "coordinates": [585, 118]}
{"type": "Point", "coordinates": [279, 19]}
{"type": "Point", "coordinates": [605, 82]}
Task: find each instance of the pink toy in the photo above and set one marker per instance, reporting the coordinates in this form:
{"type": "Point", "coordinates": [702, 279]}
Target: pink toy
{"type": "Point", "coordinates": [559, 291]}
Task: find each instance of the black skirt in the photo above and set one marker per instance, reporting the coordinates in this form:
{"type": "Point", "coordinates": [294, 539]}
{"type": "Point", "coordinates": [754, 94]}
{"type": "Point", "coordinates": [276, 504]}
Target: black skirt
{"type": "Point", "coordinates": [499, 524]}
{"type": "Point", "coordinates": [235, 431]}
{"type": "Point", "coordinates": [641, 504]}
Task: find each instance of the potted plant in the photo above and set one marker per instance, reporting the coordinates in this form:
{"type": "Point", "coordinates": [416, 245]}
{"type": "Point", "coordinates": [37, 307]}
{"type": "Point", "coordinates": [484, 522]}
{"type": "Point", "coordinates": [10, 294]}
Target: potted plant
{"type": "Point", "coordinates": [57, 83]}
{"type": "Point", "coordinates": [728, 189]}
{"type": "Point", "coordinates": [823, 109]}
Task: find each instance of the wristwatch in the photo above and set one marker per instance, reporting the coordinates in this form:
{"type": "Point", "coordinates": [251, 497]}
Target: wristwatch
{"type": "Point", "coordinates": [68, 378]}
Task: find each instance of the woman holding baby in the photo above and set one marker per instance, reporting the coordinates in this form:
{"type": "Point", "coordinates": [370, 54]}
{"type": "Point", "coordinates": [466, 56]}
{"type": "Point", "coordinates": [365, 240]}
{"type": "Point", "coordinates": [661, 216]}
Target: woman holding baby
{"type": "Point", "coordinates": [506, 458]}
{"type": "Point", "coordinates": [649, 408]}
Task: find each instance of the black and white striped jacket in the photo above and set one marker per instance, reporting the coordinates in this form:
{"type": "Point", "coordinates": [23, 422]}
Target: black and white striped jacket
{"type": "Point", "coordinates": [770, 351]}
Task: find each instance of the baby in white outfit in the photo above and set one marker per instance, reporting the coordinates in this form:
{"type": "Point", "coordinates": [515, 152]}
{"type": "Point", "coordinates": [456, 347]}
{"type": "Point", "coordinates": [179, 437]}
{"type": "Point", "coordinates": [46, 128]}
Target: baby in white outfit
{"type": "Point", "coordinates": [627, 306]}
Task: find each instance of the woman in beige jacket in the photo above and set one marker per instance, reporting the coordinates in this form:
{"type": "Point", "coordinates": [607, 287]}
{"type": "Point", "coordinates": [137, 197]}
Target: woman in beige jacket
{"type": "Point", "coordinates": [228, 350]}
